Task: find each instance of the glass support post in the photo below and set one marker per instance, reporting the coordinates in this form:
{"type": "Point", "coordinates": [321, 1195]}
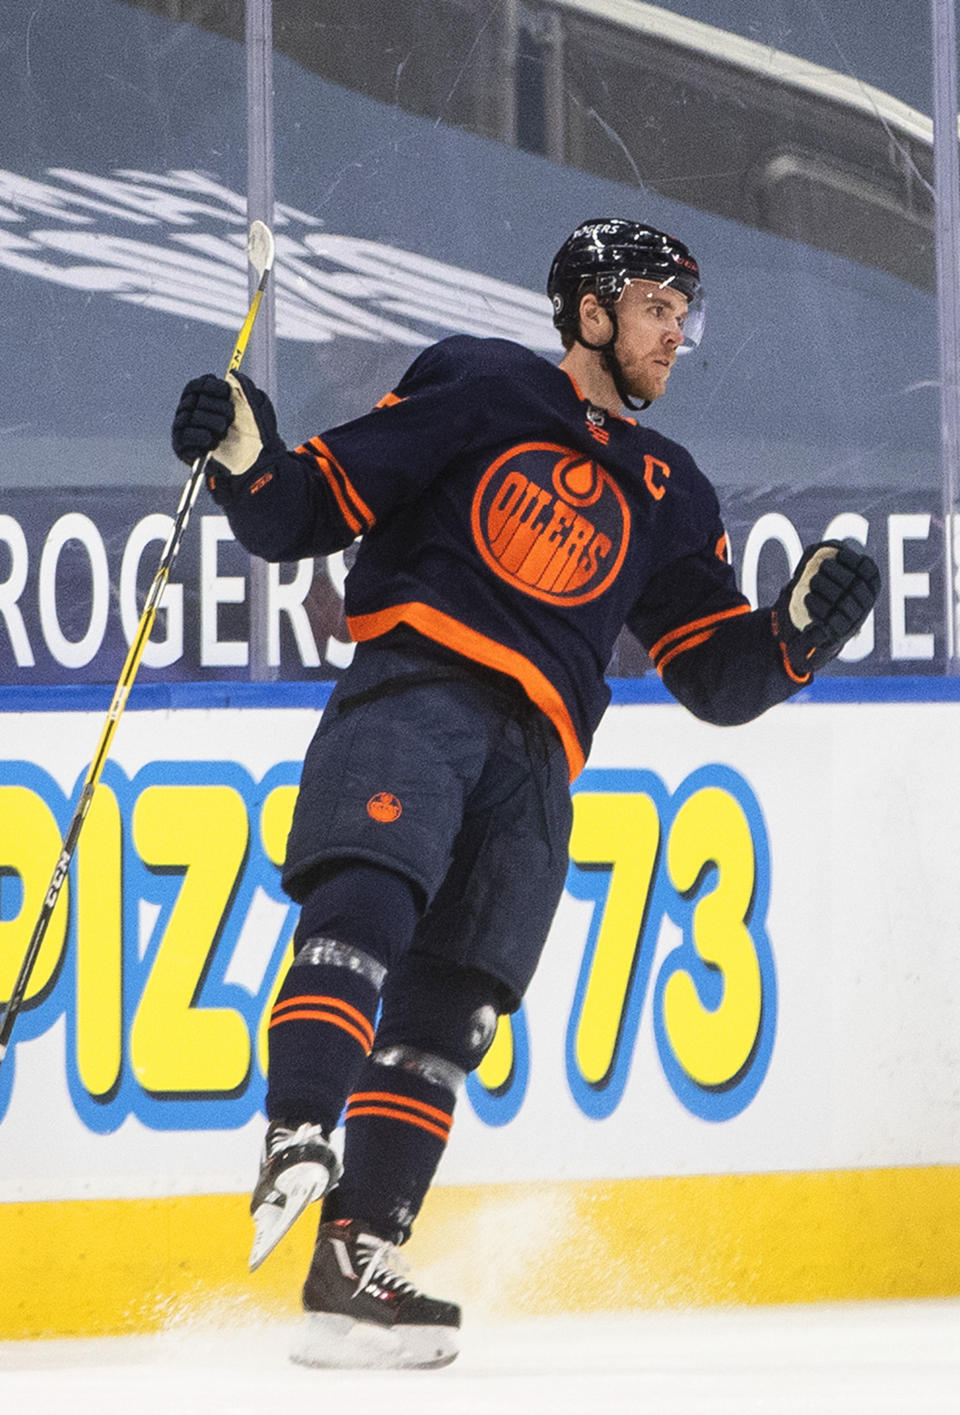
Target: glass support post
{"type": "Point", "coordinates": [947, 232]}
{"type": "Point", "coordinates": [261, 354]}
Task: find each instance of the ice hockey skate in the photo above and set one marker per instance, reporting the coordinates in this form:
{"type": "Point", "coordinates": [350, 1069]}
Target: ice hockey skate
{"type": "Point", "coordinates": [363, 1313]}
{"type": "Point", "coordinates": [297, 1166]}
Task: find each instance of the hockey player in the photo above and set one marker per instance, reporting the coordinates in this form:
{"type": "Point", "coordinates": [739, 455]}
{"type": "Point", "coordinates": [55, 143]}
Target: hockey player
{"type": "Point", "coordinates": [511, 520]}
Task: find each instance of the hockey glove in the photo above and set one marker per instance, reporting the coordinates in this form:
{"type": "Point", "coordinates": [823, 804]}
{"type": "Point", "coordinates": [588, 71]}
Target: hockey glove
{"type": "Point", "coordinates": [204, 413]}
{"type": "Point", "coordinates": [832, 591]}
{"type": "Point", "coordinates": [230, 417]}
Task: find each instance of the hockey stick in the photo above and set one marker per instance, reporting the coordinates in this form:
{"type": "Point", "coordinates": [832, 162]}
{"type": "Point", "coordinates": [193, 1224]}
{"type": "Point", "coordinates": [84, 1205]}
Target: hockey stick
{"type": "Point", "coordinates": [260, 252]}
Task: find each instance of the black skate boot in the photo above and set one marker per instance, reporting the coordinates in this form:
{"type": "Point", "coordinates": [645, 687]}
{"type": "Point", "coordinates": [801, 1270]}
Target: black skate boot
{"type": "Point", "coordinates": [297, 1166]}
{"type": "Point", "coordinates": [361, 1312]}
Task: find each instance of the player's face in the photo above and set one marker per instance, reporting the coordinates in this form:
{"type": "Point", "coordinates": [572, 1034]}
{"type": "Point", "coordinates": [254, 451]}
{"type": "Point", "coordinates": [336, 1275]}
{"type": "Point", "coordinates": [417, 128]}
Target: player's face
{"type": "Point", "coordinates": [650, 319]}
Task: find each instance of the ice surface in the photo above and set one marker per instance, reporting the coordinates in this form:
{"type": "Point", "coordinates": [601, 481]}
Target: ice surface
{"type": "Point", "coordinates": [825, 1360]}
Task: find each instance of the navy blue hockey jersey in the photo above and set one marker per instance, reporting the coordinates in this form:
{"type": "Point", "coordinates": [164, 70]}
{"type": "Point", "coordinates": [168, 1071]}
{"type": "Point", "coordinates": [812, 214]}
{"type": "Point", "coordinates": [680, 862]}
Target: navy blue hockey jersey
{"type": "Point", "coordinates": [504, 516]}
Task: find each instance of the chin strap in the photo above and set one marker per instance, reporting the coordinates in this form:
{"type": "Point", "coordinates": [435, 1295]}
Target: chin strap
{"type": "Point", "coordinates": [608, 353]}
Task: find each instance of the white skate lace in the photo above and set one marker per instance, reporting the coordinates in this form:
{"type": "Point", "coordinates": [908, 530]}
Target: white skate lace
{"type": "Point", "coordinates": [283, 1139]}
{"type": "Point", "coordinates": [384, 1266]}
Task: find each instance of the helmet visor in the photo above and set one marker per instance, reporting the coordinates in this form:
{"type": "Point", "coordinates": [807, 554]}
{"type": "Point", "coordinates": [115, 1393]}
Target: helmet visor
{"type": "Point", "coordinates": [693, 324]}
{"type": "Point", "coordinates": [690, 322]}
{"type": "Point", "coordinates": [693, 320]}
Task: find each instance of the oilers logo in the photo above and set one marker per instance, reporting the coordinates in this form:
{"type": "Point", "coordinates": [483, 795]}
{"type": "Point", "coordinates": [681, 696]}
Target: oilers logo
{"type": "Point", "coordinates": [551, 522]}
{"type": "Point", "coordinates": [384, 807]}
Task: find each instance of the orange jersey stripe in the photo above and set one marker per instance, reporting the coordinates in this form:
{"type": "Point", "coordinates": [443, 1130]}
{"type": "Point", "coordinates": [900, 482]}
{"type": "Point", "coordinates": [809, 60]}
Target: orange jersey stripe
{"type": "Point", "coordinates": [392, 1098]}
{"type": "Point", "coordinates": [443, 629]}
{"type": "Point", "coordinates": [353, 508]}
{"type": "Point", "coordinates": [356, 526]}
{"type": "Point", "coordinates": [576, 386]}
{"type": "Point", "coordinates": [348, 486]}
{"type": "Point", "coordinates": [678, 649]}
{"type": "Point", "coordinates": [325, 469]}
{"type": "Point", "coordinates": [576, 389]}
{"type": "Point", "coordinates": [696, 624]}
{"type": "Point", "coordinates": [386, 1113]}
{"type": "Point", "coordinates": [797, 677]}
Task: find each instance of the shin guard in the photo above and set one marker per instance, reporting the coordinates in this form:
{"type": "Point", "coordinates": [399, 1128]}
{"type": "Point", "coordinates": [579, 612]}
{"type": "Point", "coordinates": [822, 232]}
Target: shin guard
{"type": "Point", "coordinates": [398, 1121]}
{"type": "Point", "coordinates": [321, 1030]}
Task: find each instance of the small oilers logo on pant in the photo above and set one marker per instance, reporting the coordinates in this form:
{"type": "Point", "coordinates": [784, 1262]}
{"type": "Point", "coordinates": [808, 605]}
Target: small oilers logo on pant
{"type": "Point", "coordinates": [384, 807]}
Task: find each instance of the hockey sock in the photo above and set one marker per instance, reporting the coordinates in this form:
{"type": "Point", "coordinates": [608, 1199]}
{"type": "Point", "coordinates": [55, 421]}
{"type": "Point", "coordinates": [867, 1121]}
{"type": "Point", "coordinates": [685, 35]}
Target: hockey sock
{"type": "Point", "coordinates": [373, 908]}
{"type": "Point", "coordinates": [322, 1024]}
{"type": "Point", "coordinates": [397, 1125]}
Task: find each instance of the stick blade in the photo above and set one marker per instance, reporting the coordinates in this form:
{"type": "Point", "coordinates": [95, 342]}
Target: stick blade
{"type": "Point", "coordinates": [260, 247]}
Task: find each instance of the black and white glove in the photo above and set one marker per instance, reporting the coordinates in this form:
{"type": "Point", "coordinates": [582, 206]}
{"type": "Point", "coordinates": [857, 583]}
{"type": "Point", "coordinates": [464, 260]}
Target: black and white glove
{"type": "Point", "coordinates": [230, 417]}
{"type": "Point", "coordinates": [833, 589]}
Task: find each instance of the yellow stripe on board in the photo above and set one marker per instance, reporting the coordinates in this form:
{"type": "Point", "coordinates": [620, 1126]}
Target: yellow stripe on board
{"type": "Point", "coordinates": [93, 1267]}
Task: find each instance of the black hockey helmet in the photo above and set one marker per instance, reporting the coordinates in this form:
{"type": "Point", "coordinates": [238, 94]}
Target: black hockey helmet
{"type": "Point", "coordinates": [604, 255]}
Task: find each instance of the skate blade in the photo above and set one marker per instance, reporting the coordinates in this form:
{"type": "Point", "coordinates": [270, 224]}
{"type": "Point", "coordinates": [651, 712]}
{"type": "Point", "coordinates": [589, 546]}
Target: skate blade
{"type": "Point", "coordinates": [302, 1184]}
{"type": "Point", "coordinates": [331, 1342]}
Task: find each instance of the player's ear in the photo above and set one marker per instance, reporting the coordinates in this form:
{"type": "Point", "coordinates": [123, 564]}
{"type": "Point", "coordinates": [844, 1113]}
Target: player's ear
{"type": "Point", "coordinates": [594, 320]}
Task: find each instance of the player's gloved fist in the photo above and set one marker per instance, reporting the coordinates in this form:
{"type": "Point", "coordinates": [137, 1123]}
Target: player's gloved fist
{"type": "Point", "coordinates": [204, 413]}
{"type": "Point", "coordinates": [833, 589]}
{"type": "Point", "coordinates": [231, 417]}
